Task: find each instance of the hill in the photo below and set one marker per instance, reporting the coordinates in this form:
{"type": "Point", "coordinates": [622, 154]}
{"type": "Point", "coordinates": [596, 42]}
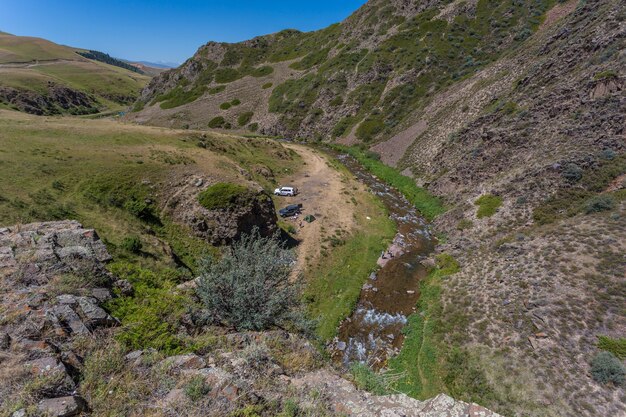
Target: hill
{"type": "Point", "coordinates": [40, 77]}
{"type": "Point", "coordinates": [513, 113]}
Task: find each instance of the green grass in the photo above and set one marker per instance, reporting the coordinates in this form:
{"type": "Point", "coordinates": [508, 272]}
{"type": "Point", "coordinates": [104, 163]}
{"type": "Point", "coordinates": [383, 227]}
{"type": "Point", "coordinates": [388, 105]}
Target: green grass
{"type": "Point", "coordinates": [421, 357]}
{"type": "Point", "coordinates": [223, 196]}
{"type": "Point", "coordinates": [428, 205]}
{"type": "Point", "coordinates": [615, 346]}
{"type": "Point", "coordinates": [487, 205]}
{"type": "Point", "coordinates": [101, 173]}
{"type": "Point", "coordinates": [333, 286]}
{"type": "Point", "coordinates": [244, 118]}
{"type": "Point", "coordinates": [150, 318]}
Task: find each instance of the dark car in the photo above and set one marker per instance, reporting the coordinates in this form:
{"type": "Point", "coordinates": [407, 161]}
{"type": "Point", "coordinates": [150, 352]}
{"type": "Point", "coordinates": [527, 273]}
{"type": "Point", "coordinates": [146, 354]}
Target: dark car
{"type": "Point", "coordinates": [290, 210]}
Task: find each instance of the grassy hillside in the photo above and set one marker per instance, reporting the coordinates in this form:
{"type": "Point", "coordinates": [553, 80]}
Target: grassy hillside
{"type": "Point", "coordinates": [68, 168]}
{"type": "Point", "coordinates": [40, 77]}
{"type": "Point", "coordinates": [356, 80]}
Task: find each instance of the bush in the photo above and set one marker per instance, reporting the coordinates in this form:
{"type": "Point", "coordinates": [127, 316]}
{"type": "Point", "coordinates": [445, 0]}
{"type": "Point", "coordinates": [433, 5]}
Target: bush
{"type": "Point", "coordinates": [132, 244]}
{"type": "Point", "coordinates": [197, 388]}
{"type": "Point", "coordinates": [249, 288]}
{"type": "Point", "coordinates": [225, 106]}
{"type": "Point", "coordinates": [235, 102]}
{"type": "Point", "coordinates": [572, 172]}
{"type": "Point", "coordinates": [224, 196]}
{"type": "Point", "coordinates": [217, 122]}
{"type": "Point", "coordinates": [244, 118]}
{"type": "Point", "coordinates": [267, 85]}
{"type": "Point", "coordinates": [605, 368]}
{"type": "Point", "coordinates": [487, 205]}
{"type": "Point", "coordinates": [253, 127]}
{"type": "Point", "coordinates": [599, 203]}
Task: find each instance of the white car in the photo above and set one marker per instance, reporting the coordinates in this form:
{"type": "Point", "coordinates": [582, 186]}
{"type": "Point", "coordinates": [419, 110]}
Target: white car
{"type": "Point", "coordinates": [286, 191]}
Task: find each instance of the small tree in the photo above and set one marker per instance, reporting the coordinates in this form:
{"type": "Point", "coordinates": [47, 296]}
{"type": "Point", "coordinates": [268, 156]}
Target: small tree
{"type": "Point", "coordinates": [605, 367]}
{"type": "Point", "coordinates": [249, 287]}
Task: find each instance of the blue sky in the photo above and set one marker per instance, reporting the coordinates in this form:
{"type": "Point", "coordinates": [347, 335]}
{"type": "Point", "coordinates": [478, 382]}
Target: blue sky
{"type": "Point", "coordinates": [166, 31]}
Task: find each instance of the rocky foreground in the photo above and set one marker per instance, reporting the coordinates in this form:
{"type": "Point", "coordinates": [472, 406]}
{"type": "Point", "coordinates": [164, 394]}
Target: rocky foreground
{"type": "Point", "coordinates": [54, 285]}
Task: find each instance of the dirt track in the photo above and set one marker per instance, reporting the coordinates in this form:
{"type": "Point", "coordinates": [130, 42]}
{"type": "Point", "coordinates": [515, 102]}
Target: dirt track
{"type": "Point", "coordinates": [322, 195]}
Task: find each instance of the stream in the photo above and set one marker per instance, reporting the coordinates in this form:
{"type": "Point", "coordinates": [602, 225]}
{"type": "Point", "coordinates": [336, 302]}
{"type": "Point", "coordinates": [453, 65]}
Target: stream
{"type": "Point", "coordinates": [373, 333]}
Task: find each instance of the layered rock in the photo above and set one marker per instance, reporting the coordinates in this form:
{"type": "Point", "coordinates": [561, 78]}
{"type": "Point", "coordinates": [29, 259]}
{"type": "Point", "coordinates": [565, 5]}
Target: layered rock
{"type": "Point", "coordinates": [53, 283]}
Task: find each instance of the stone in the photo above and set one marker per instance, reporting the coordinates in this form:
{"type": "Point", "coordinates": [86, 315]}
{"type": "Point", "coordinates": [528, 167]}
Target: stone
{"type": "Point", "coordinates": [62, 406]}
{"type": "Point", "coordinates": [19, 413]}
{"type": "Point", "coordinates": [102, 294]}
{"type": "Point", "coordinates": [5, 341]}
{"type": "Point", "coordinates": [134, 355]}
{"type": "Point", "coordinates": [125, 288]}
{"type": "Point", "coordinates": [189, 361]}
{"type": "Point", "coordinates": [94, 315]}
{"type": "Point", "coordinates": [69, 316]}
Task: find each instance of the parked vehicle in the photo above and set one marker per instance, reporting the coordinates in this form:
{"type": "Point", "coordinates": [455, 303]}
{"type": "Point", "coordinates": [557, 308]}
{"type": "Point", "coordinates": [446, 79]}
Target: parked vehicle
{"type": "Point", "coordinates": [290, 210]}
{"type": "Point", "coordinates": [286, 191]}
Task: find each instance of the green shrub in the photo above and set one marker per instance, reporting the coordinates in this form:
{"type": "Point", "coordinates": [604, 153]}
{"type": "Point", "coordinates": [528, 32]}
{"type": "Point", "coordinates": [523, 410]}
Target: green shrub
{"type": "Point", "coordinates": [261, 71]}
{"type": "Point", "coordinates": [249, 288]}
{"type": "Point", "coordinates": [369, 128]}
{"type": "Point", "coordinates": [225, 106]}
{"type": "Point", "coordinates": [132, 244]}
{"type": "Point", "coordinates": [600, 203]}
{"type": "Point", "coordinates": [223, 196]}
{"type": "Point", "coordinates": [197, 388]}
{"type": "Point", "coordinates": [487, 205]}
{"type": "Point", "coordinates": [217, 122]}
{"type": "Point", "coordinates": [152, 316]}
{"type": "Point", "coordinates": [226, 75]}
{"type": "Point", "coordinates": [235, 102]}
{"type": "Point", "coordinates": [244, 118]}
{"type": "Point", "coordinates": [572, 172]}
{"type": "Point", "coordinates": [605, 368]}
{"type": "Point", "coordinates": [217, 89]}
{"type": "Point", "coordinates": [615, 346]}
{"type": "Point", "coordinates": [253, 127]}
{"type": "Point", "coordinates": [368, 380]}
{"type": "Point", "coordinates": [267, 85]}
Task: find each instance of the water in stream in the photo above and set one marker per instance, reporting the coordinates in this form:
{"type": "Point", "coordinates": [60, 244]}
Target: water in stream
{"type": "Point", "coordinates": [373, 332]}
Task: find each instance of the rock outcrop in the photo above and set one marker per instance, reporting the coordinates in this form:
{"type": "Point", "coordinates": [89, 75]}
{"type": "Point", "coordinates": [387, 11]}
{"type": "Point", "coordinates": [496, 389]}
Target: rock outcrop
{"type": "Point", "coordinates": [52, 284]}
{"type": "Point", "coordinates": [347, 400]}
{"type": "Point", "coordinates": [221, 226]}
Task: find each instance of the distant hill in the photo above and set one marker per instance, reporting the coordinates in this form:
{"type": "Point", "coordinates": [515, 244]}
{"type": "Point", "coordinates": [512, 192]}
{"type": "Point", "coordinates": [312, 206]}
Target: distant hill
{"type": "Point", "coordinates": [162, 65]}
{"type": "Point", "coordinates": [41, 77]}
{"type": "Point", "coordinates": [108, 59]}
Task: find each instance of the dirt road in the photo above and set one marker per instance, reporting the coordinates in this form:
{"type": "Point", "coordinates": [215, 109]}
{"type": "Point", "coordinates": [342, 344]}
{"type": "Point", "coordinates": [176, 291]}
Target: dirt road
{"type": "Point", "coordinates": [322, 194]}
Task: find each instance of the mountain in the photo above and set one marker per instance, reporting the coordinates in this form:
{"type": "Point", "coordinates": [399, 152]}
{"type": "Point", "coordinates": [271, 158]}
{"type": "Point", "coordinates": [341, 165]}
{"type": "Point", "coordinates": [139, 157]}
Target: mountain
{"type": "Point", "coordinates": [512, 112]}
{"type": "Point", "coordinates": [161, 65]}
{"type": "Point", "coordinates": [40, 77]}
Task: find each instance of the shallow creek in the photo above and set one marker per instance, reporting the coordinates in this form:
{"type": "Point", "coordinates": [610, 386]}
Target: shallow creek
{"type": "Point", "coordinates": [373, 332]}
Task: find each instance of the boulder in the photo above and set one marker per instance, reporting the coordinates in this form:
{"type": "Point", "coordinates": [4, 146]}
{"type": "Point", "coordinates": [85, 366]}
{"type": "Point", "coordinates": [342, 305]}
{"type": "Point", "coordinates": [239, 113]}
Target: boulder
{"type": "Point", "coordinates": [62, 406]}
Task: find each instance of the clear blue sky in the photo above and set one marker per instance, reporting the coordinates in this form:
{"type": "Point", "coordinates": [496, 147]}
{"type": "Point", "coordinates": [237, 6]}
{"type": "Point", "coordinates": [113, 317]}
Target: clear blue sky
{"type": "Point", "coordinates": [167, 31]}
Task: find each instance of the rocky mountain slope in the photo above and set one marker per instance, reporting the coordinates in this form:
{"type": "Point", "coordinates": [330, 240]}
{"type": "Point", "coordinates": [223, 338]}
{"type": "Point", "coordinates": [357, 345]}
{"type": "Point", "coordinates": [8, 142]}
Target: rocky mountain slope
{"type": "Point", "coordinates": [357, 79]}
{"type": "Point", "coordinates": [40, 77]}
{"type": "Point", "coordinates": [513, 113]}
